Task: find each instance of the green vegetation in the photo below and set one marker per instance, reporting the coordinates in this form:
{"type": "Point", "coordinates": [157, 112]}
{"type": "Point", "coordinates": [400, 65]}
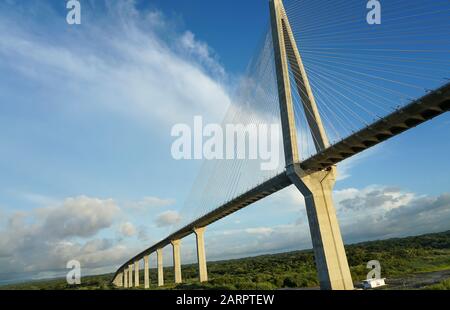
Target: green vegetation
{"type": "Point", "coordinates": [100, 282]}
{"type": "Point", "coordinates": [398, 257]}
{"type": "Point", "coordinates": [444, 285]}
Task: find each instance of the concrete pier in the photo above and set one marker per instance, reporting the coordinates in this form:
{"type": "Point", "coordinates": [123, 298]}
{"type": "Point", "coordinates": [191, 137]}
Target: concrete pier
{"type": "Point", "coordinates": [136, 273]}
{"type": "Point", "coordinates": [201, 256]}
{"type": "Point", "coordinates": [160, 267]}
{"type": "Point", "coordinates": [329, 252]}
{"type": "Point", "coordinates": [146, 272]}
{"type": "Point", "coordinates": [177, 260]}
{"type": "Point", "coordinates": [118, 280]}
{"type": "Point", "coordinates": [130, 275]}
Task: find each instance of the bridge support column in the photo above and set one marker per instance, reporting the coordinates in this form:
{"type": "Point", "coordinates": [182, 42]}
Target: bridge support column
{"type": "Point", "coordinates": [329, 252]}
{"type": "Point", "coordinates": [125, 278]}
{"type": "Point", "coordinates": [201, 256]}
{"type": "Point", "coordinates": [118, 279]}
{"type": "Point", "coordinates": [146, 272]}
{"type": "Point", "coordinates": [160, 267]}
{"type": "Point", "coordinates": [136, 273]}
{"type": "Point", "coordinates": [177, 260]}
{"type": "Point", "coordinates": [130, 275]}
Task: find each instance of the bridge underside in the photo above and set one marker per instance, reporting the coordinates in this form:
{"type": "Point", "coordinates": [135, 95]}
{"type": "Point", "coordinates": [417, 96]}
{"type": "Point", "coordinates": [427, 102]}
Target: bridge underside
{"type": "Point", "coordinates": [419, 111]}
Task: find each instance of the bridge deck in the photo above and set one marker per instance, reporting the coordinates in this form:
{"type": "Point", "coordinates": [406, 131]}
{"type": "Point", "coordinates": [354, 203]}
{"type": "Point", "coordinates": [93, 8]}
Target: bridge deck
{"type": "Point", "coordinates": [263, 190]}
{"type": "Point", "coordinates": [421, 110]}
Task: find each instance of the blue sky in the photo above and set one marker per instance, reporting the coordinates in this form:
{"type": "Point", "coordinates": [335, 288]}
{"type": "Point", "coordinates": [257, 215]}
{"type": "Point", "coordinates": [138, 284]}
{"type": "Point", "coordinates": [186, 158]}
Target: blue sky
{"type": "Point", "coordinates": [85, 119]}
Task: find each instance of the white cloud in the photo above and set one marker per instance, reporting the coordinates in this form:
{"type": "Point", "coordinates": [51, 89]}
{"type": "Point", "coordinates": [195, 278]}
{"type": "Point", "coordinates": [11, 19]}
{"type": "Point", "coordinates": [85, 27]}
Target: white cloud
{"type": "Point", "coordinates": [202, 51]}
{"type": "Point", "coordinates": [379, 212]}
{"type": "Point", "coordinates": [265, 231]}
{"type": "Point", "coordinates": [129, 67]}
{"type": "Point", "coordinates": [167, 218]}
{"type": "Point", "coordinates": [78, 217]}
{"type": "Point", "coordinates": [127, 229]}
{"type": "Point", "coordinates": [143, 234]}
{"type": "Point", "coordinates": [149, 203]}
{"type": "Point", "coordinates": [374, 196]}
{"type": "Point", "coordinates": [44, 239]}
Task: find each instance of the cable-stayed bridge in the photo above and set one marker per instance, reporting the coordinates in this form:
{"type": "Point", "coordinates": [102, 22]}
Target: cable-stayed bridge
{"type": "Point", "coordinates": [336, 86]}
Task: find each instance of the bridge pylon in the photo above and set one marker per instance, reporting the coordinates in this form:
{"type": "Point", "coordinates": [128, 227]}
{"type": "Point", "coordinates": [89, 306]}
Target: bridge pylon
{"type": "Point", "coordinates": [316, 187]}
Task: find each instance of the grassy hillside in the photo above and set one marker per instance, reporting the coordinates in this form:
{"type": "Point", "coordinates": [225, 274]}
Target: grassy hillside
{"type": "Point", "coordinates": [398, 257]}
